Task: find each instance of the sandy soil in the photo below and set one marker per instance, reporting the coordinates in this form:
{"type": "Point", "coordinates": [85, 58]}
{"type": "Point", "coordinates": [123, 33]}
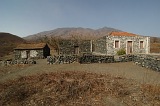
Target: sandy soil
{"type": "Point", "coordinates": [127, 69]}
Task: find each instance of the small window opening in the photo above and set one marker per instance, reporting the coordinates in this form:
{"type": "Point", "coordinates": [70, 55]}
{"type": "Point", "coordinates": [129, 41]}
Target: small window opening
{"type": "Point", "coordinates": [141, 44]}
{"type": "Point", "coordinates": [117, 44]}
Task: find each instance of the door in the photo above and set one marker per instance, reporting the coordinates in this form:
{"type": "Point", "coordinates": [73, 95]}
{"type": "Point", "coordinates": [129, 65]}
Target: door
{"type": "Point", "coordinates": [129, 47]}
{"type": "Point", "coordinates": [76, 50]}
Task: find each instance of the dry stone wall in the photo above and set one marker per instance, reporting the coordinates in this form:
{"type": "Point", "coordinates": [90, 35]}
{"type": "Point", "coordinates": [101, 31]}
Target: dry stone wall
{"type": "Point", "coordinates": [89, 58]}
{"type": "Point", "coordinates": [71, 47]}
{"type": "Point", "coordinates": [15, 62]}
{"type": "Point", "coordinates": [99, 46]}
{"type": "Point", "coordinates": [62, 59]}
{"type": "Point", "coordinates": [148, 61]}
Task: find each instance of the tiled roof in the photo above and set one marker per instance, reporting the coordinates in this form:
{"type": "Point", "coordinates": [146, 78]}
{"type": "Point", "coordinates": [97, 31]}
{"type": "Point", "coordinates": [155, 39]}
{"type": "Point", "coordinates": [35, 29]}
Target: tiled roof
{"type": "Point", "coordinates": [31, 46]}
{"type": "Point", "coordinates": [122, 34]}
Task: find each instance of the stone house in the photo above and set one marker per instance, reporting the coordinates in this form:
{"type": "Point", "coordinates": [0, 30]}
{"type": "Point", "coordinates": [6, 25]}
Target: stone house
{"type": "Point", "coordinates": [115, 41]}
{"type": "Point", "coordinates": [27, 51]}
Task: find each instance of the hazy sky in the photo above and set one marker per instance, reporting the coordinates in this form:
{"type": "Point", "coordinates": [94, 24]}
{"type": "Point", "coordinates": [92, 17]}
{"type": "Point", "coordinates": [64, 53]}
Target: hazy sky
{"type": "Point", "coordinates": [26, 17]}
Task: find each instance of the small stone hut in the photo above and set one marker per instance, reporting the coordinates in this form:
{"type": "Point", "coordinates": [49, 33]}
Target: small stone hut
{"type": "Point", "coordinates": [115, 41]}
{"type": "Point", "coordinates": [27, 51]}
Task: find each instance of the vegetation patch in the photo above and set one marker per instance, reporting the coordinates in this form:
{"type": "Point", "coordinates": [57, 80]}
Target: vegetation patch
{"type": "Point", "coordinates": [73, 88]}
{"type": "Point", "coordinates": [121, 52]}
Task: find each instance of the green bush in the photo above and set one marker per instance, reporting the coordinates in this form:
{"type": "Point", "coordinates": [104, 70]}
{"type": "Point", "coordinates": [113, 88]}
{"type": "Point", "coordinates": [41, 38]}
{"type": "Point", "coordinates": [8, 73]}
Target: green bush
{"type": "Point", "coordinates": [121, 52]}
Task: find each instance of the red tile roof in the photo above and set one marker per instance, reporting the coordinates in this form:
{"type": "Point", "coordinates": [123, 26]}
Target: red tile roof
{"type": "Point", "coordinates": [122, 34]}
{"type": "Point", "coordinates": [31, 46]}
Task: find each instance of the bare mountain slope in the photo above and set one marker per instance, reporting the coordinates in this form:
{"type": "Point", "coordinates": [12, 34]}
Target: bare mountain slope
{"type": "Point", "coordinates": [8, 42]}
{"type": "Point", "coordinates": [84, 33]}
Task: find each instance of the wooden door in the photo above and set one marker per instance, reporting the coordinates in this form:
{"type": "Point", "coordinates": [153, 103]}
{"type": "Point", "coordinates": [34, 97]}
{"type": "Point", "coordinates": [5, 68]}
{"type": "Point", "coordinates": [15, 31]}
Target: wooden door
{"type": "Point", "coordinates": [76, 50]}
{"type": "Point", "coordinates": [129, 47]}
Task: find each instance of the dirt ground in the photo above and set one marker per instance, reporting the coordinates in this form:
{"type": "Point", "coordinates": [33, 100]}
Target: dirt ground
{"type": "Point", "coordinates": [128, 70]}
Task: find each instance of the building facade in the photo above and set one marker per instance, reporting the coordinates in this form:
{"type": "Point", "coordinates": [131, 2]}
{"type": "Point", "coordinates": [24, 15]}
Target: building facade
{"type": "Point", "coordinates": [115, 41]}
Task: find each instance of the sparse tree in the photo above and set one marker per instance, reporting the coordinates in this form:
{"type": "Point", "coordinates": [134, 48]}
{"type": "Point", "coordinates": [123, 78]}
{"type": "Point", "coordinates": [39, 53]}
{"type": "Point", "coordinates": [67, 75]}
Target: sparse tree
{"type": "Point", "coordinates": [52, 41]}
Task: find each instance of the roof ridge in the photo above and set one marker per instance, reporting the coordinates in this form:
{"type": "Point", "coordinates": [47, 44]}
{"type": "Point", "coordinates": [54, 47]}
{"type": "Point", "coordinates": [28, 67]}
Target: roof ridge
{"type": "Point", "coordinates": [116, 33]}
{"type": "Point", "coordinates": [31, 46]}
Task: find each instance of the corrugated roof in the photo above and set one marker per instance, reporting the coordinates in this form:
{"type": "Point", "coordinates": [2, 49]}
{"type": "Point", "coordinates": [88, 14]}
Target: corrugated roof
{"type": "Point", "coordinates": [122, 34]}
{"type": "Point", "coordinates": [31, 46]}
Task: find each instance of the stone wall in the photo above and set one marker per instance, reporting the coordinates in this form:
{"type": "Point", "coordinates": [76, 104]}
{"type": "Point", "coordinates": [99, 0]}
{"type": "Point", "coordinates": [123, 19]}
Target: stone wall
{"type": "Point", "coordinates": [70, 47]}
{"type": "Point", "coordinates": [96, 59]}
{"type": "Point", "coordinates": [99, 46]}
{"type": "Point", "coordinates": [144, 60]}
{"type": "Point", "coordinates": [16, 62]}
{"type": "Point", "coordinates": [124, 58]}
{"type": "Point", "coordinates": [148, 61]}
{"type": "Point", "coordinates": [62, 59]}
{"type": "Point", "coordinates": [85, 46]}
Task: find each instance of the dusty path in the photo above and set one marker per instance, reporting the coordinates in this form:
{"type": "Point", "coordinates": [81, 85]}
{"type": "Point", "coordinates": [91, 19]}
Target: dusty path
{"type": "Point", "coordinates": [128, 70]}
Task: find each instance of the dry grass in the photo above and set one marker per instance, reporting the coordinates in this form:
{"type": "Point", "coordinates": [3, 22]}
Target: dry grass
{"type": "Point", "coordinates": [155, 48]}
{"type": "Point", "coordinates": [72, 88]}
{"type": "Point", "coordinates": [4, 70]}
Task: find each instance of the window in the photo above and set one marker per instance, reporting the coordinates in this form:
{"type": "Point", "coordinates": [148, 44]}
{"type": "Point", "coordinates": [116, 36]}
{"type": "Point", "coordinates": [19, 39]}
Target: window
{"type": "Point", "coordinates": [116, 45]}
{"type": "Point", "coordinates": [141, 44]}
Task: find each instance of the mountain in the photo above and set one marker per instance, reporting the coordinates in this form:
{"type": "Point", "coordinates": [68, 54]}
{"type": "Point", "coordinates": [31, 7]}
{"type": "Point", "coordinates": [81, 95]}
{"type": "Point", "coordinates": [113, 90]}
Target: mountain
{"type": "Point", "coordinates": [67, 33]}
{"type": "Point", "coordinates": [8, 42]}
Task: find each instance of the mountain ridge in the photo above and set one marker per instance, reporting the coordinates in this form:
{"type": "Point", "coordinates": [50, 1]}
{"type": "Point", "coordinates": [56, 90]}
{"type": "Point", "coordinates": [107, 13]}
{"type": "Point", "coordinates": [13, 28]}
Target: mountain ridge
{"type": "Point", "coordinates": [68, 32]}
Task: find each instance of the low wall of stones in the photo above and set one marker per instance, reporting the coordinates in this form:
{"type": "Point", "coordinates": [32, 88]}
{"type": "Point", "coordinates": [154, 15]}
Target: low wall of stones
{"type": "Point", "coordinates": [14, 62]}
{"type": "Point", "coordinates": [62, 59]}
{"type": "Point", "coordinates": [87, 58]}
{"type": "Point", "coordinates": [148, 61]}
{"type": "Point", "coordinates": [124, 58]}
{"type": "Point", "coordinates": [96, 59]}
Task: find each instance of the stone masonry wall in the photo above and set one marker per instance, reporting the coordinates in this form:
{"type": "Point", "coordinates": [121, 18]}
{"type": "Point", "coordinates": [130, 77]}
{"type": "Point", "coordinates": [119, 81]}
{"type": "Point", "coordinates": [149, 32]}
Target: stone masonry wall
{"type": "Point", "coordinates": [99, 46]}
{"type": "Point", "coordinates": [148, 61]}
{"type": "Point", "coordinates": [68, 47]}
{"type": "Point", "coordinates": [85, 46]}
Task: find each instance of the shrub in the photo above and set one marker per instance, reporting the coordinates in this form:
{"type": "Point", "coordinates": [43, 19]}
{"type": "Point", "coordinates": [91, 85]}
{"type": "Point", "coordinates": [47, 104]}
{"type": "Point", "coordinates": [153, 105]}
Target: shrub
{"type": "Point", "coordinates": [121, 52]}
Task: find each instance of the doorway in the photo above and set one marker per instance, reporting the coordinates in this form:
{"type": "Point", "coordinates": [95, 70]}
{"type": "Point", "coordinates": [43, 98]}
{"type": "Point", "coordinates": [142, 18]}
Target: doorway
{"type": "Point", "coordinates": [76, 50]}
{"type": "Point", "coordinates": [129, 47]}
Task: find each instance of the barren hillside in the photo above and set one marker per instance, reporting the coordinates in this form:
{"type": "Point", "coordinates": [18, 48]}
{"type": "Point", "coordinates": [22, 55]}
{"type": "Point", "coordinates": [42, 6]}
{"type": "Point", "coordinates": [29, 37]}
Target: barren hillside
{"type": "Point", "coordinates": [8, 42]}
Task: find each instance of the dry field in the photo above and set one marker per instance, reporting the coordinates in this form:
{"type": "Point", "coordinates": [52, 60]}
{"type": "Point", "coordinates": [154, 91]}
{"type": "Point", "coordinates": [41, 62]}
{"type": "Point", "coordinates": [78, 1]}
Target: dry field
{"type": "Point", "coordinates": [112, 84]}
